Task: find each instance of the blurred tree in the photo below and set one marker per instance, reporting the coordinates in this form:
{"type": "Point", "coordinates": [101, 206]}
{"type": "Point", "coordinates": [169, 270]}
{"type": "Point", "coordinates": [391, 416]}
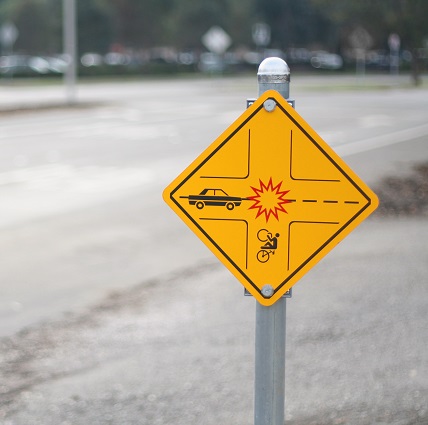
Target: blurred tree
{"type": "Point", "coordinates": [35, 22]}
{"type": "Point", "coordinates": [188, 20]}
{"type": "Point", "coordinates": [407, 18]}
{"type": "Point", "coordinates": [139, 24]}
{"type": "Point", "coordinates": [95, 26]}
{"type": "Point", "coordinates": [242, 16]}
{"type": "Point", "coordinates": [40, 25]}
{"type": "Point", "coordinates": [295, 23]}
{"type": "Point", "coordinates": [178, 23]}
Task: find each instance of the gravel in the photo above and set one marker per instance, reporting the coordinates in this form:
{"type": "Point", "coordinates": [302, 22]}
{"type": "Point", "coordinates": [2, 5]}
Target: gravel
{"type": "Point", "coordinates": [404, 196]}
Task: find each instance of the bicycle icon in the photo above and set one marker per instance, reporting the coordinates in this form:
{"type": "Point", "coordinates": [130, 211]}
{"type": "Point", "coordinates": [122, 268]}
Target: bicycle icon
{"type": "Point", "coordinates": [269, 247]}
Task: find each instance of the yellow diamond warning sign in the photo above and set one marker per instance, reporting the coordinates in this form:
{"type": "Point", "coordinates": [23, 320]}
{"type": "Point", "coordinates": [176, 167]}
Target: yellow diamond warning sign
{"type": "Point", "coordinates": [270, 198]}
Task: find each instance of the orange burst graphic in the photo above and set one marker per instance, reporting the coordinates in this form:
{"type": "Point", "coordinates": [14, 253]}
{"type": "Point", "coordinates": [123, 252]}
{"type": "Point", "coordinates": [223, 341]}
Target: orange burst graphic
{"type": "Point", "coordinates": [269, 200]}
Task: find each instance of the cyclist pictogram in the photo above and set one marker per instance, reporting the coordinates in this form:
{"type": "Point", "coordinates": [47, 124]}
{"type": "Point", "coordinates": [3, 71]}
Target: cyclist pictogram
{"type": "Point", "coordinates": [269, 246]}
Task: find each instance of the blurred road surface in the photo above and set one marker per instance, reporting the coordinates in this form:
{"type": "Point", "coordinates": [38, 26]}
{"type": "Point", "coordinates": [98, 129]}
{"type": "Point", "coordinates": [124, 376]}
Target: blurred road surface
{"type": "Point", "coordinates": [112, 312]}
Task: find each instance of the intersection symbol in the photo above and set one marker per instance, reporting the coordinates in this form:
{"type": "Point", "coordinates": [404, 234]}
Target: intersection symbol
{"type": "Point", "coordinates": [270, 198]}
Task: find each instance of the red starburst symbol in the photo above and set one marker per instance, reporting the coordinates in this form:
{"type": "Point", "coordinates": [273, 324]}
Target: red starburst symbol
{"type": "Point", "coordinates": [269, 199]}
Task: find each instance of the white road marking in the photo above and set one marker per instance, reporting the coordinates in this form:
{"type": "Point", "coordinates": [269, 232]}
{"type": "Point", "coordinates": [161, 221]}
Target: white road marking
{"type": "Point", "coordinates": [57, 188]}
{"type": "Point", "coordinates": [375, 121]}
{"type": "Point", "coordinates": [382, 140]}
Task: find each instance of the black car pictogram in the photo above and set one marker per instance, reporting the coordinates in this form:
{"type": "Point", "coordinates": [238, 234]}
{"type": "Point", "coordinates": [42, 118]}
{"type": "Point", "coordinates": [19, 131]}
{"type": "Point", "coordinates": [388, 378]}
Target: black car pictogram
{"type": "Point", "coordinates": [214, 198]}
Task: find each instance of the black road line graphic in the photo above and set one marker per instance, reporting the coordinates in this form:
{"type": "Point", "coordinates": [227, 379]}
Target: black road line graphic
{"type": "Point", "coordinates": [246, 233]}
{"type": "Point", "coordinates": [302, 222]}
{"type": "Point", "coordinates": [248, 165]}
{"type": "Point", "coordinates": [291, 166]}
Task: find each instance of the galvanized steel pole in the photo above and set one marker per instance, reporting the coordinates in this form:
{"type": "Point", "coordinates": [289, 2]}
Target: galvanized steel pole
{"type": "Point", "coordinates": [70, 48]}
{"type": "Point", "coordinates": [269, 388]}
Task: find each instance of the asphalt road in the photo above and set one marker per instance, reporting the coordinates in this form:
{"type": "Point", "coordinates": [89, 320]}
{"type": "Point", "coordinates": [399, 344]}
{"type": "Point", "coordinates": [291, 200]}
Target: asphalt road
{"type": "Point", "coordinates": [112, 312]}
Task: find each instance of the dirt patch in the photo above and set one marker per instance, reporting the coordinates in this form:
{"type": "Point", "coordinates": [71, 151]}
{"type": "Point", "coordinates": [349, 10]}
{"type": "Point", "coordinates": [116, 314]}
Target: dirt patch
{"type": "Point", "coordinates": [404, 196]}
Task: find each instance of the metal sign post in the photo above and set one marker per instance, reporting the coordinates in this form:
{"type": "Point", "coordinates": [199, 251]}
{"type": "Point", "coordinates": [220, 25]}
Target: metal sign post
{"type": "Point", "coordinates": [269, 385]}
{"type": "Point", "coordinates": [70, 49]}
{"type": "Point", "coordinates": [394, 43]}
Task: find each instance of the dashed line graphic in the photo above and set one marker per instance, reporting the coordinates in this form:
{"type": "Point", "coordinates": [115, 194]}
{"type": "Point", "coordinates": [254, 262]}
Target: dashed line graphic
{"type": "Point", "coordinates": [325, 201]}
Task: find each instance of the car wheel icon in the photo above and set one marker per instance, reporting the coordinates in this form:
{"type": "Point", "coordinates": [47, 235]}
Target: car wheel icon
{"type": "Point", "coordinates": [200, 205]}
{"type": "Point", "coordinates": [230, 206]}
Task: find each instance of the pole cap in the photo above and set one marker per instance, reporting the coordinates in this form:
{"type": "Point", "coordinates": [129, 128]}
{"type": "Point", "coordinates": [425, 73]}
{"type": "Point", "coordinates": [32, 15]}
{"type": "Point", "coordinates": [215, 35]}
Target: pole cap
{"type": "Point", "coordinates": [273, 70]}
{"type": "Point", "coordinates": [274, 74]}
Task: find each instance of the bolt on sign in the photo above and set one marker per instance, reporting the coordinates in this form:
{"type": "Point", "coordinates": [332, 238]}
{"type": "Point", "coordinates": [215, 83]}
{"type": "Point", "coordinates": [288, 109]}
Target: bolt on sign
{"type": "Point", "coordinates": [270, 198]}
